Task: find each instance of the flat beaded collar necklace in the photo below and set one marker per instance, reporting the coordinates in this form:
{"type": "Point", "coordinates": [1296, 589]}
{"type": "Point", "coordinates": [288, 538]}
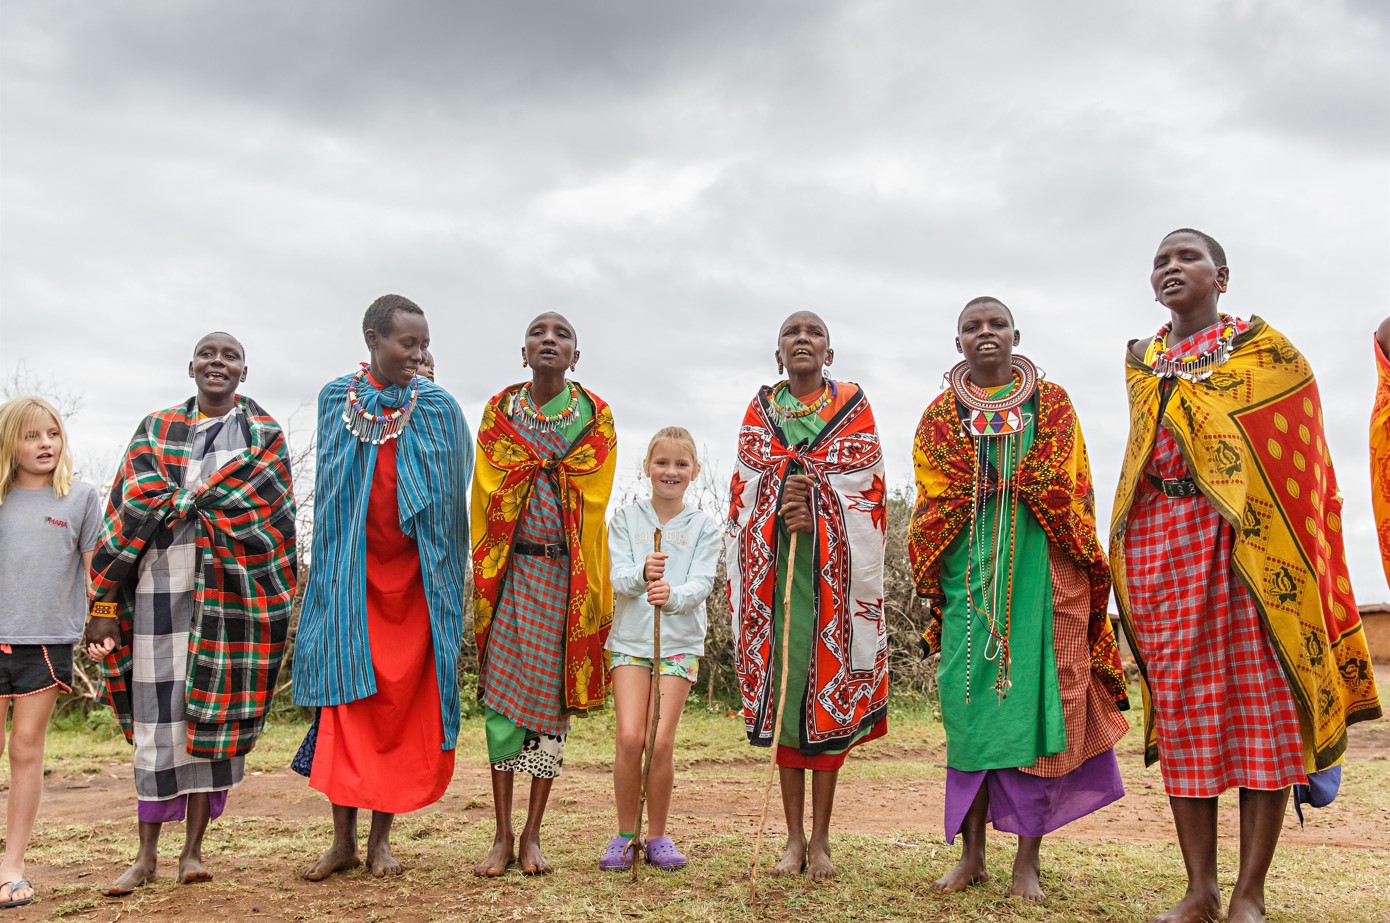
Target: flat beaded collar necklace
{"type": "Point", "coordinates": [995, 416]}
{"type": "Point", "coordinates": [1192, 368]}
{"type": "Point", "coordinates": [524, 409]}
{"type": "Point", "coordinates": [993, 422]}
{"type": "Point", "coordinates": [783, 414]}
{"type": "Point", "coordinates": [376, 428]}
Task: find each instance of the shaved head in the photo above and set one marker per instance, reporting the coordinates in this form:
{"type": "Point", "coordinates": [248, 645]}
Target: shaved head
{"type": "Point", "coordinates": [804, 315]}
{"type": "Point", "coordinates": [984, 299]}
{"type": "Point", "coordinates": [219, 333]}
{"type": "Point", "coordinates": [554, 315]}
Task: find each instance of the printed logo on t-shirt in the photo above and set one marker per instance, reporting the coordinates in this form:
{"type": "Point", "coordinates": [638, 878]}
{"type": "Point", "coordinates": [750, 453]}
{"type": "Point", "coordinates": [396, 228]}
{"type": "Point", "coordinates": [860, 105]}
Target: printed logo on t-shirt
{"type": "Point", "coordinates": [60, 523]}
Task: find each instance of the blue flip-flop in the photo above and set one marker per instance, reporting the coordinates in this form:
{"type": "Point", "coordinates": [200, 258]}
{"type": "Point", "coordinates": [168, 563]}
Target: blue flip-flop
{"type": "Point", "coordinates": [15, 886]}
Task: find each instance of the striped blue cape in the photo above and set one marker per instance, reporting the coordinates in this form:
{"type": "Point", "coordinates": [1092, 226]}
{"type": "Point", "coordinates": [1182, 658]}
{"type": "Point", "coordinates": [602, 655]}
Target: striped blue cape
{"type": "Point", "coordinates": [434, 460]}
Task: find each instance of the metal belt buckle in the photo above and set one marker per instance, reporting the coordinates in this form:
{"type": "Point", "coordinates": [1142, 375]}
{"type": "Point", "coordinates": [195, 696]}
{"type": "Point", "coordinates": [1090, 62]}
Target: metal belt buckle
{"type": "Point", "coordinates": [553, 550]}
{"type": "Point", "coordinates": [1179, 487]}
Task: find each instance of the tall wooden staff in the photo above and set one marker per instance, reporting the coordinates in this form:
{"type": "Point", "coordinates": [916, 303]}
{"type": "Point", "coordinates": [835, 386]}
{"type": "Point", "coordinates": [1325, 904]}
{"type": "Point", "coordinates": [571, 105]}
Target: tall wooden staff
{"type": "Point", "coordinates": [654, 705]}
{"type": "Point", "coordinates": [777, 718]}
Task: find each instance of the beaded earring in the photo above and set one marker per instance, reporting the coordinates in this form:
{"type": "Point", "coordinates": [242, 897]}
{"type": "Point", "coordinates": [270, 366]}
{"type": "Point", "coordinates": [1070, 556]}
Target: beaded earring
{"type": "Point", "coordinates": [780, 370]}
{"type": "Point", "coordinates": [524, 363]}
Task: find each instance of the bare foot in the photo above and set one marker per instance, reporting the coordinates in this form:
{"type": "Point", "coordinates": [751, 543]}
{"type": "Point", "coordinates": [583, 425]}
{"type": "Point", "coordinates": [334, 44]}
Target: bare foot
{"type": "Point", "coordinates": [818, 864]}
{"type": "Point", "coordinates": [793, 860]}
{"type": "Point", "coordinates": [191, 871]}
{"type": "Point", "coordinates": [1194, 908]}
{"type": "Point", "coordinates": [141, 872]}
{"type": "Point", "coordinates": [503, 854]}
{"type": "Point", "coordinates": [381, 863]}
{"type": "Point", "coordinates": [968, 871]}
{"type": "Point", "coordinates": [1246, 910]}
{"type": "Point", "coordinates": [1027, 882]}
{"type": "Point", "coordinates": [530, 858]}
{"type": "Point", "coordinates": [337, 859]}
{"type": "Point", "coordinates": [1026, 885]}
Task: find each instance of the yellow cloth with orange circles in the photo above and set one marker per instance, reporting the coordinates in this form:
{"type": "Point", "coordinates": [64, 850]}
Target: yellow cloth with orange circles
{"type": "Point", "coordinates": [1252, 435]}
{"type": "Point", "coordinates": [1380, 455]}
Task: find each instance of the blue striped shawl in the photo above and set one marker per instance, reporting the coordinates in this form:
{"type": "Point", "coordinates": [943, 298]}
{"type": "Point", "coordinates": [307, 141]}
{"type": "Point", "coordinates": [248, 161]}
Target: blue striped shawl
{"type": "Point", "coordinates": [434, 459]}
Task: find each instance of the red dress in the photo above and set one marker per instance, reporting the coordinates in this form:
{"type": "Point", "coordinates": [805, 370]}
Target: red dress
{"type": "Point", "coordinates": [385, 752]}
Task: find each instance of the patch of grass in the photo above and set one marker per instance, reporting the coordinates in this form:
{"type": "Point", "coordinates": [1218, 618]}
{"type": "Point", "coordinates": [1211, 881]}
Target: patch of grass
{"type": "Point", "coordinates": [882, 878]}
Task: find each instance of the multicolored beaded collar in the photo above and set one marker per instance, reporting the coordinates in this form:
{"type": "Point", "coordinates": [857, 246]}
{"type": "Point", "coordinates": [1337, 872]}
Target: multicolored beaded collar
{"type": "Point", "coordinates": [525, 411]}
{"type": "Point", "coordinates": [995, 416]}
{"type": "Point", "coordinates": [376, 428]}
{"type": "Point", "coordinates": [1191, 368]}
{"type": "Point", "coordinates": [783, 414]}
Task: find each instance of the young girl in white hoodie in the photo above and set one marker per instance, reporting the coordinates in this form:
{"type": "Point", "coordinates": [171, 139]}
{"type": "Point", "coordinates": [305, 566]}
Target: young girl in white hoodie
{"type": "Point", "coordinates": [677, 578]}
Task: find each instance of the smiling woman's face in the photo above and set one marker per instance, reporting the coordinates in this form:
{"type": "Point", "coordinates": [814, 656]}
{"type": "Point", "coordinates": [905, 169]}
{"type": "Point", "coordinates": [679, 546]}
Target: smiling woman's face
{"type": "Point", "coordinates": [986, 337]}
{"type": "Point", "coordinates": [218, 367]}
{"type": "Point", "coordinates": [397, 354]}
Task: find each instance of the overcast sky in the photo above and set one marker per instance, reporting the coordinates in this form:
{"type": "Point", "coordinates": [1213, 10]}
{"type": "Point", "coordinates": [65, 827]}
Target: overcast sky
{"type": "Point", "coordinates": [677, 178]}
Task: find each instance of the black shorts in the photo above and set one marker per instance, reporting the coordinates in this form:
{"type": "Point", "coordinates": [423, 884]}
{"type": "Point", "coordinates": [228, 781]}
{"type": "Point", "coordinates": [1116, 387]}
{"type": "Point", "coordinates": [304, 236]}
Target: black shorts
{"type": "Point", "coordinates": [30, 668]}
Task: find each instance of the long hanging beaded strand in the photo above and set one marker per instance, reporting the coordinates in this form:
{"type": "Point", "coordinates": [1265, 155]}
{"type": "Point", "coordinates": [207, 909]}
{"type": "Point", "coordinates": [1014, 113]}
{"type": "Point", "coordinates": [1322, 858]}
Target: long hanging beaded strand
{"type": "Point", "coordinates": [973, 545]}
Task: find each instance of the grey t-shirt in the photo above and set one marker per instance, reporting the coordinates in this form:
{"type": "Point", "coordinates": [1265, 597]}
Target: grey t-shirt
{"type": "Point", "coordinates": [43, 585]}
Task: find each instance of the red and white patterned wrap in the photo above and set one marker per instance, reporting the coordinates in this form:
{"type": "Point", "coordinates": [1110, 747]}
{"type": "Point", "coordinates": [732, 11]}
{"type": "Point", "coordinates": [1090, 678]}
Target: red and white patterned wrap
{"type": "Point", "coordinates": [848, 682]}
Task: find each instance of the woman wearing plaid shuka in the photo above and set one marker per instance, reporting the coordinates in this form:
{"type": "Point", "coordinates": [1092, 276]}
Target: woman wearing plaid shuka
{"type": "Point", "coordinates": [194, 579]}
{"type": "Point", "coordinates": [542, 601]}
{"type": "Point", "coordinates": [1230, 573]}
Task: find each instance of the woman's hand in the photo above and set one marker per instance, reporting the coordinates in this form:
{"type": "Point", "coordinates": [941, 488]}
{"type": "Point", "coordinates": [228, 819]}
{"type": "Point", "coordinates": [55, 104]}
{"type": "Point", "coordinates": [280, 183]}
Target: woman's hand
{"type": "Point", "coordinates": [655, 566]}
{"type": "Point", "coordinates": [658, 594]}
{"type": "Point", "coordinates": [796, 504]}
{"type": "Point", "coordinates": [103, 636]}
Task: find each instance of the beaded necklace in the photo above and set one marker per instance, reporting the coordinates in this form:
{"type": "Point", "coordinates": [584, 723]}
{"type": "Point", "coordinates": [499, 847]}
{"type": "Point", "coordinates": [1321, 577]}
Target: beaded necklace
{"type": "Point", "coordinates": [783, 414]}
{"type": "Point", "coordinates": [1191, 368]}
{"type": "Point", "coordinates": [994, 421]}
{"type": "Point", "coordinates": [376, 428]}
{"type": "Point", "coordinates": [990, 416]}
{"type": "Point", "coordinates": [524, 410]}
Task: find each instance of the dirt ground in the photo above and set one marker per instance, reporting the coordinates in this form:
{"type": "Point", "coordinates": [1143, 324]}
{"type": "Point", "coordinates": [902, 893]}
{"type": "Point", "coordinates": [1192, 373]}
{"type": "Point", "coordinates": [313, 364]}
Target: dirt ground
{"type": "Point", "coordinates": [880, 799]}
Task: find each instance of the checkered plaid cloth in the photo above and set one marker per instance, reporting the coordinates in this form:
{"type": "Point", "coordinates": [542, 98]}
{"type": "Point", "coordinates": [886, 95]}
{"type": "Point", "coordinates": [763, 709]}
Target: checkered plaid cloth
{"type": "Point", "coordinates": [1224, 714]}
{"type": "Point", "coordinates": [1093, 722]}
{"type": "Point", "coordinates": [198, 552]}
{"type": "Point", "coordinates": [522, 674]}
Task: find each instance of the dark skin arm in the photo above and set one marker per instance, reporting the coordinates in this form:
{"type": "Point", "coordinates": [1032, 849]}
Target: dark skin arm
{"type": "Point", "coordinates": [103, 637]}
{"type": "Point", "coordinates": [1383, 336]}
{"type": "Point", "coordinates": [796, 504]}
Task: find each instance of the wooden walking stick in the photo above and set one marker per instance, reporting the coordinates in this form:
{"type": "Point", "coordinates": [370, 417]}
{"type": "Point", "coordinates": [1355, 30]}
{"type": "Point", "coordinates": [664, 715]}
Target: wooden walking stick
{"type": "Point", "coordinates": [654, 704]}
{"type": "Point", "coordinates": [777, 718]}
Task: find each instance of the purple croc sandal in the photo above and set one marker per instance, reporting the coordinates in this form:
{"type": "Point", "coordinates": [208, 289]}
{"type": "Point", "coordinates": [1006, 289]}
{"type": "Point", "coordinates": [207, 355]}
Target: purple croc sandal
{"type": "Point", "coordinates": [616, 855]}
{"type": "Point", "coordinates": [663, 854]}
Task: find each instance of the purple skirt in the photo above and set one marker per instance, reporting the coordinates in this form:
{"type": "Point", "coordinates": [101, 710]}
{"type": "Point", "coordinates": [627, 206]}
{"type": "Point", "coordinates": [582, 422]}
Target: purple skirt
{"type": "Point", "coordinates": [1029, 805]}
{"type": "Point", "coordinates": [170, 810]}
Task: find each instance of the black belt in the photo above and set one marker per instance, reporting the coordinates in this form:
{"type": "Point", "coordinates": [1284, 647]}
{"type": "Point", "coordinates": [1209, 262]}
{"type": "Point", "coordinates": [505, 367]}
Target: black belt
{"type": "Point", "coordinates": [550, 550]}
{"type": "Point", "coordinates": [1174, 487]}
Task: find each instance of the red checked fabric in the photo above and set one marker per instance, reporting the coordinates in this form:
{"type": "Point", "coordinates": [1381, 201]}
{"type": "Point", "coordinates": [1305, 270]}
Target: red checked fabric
{"type": "Point", "coordinates": [1225, 716]}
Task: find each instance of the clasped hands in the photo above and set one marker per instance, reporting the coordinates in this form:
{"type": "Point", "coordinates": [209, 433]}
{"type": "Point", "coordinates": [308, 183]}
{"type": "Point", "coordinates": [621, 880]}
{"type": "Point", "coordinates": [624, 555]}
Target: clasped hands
{"type": "Point", "coordinates": [796, 504]}
{"type": "Point", "coordinates": [653, 570]}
